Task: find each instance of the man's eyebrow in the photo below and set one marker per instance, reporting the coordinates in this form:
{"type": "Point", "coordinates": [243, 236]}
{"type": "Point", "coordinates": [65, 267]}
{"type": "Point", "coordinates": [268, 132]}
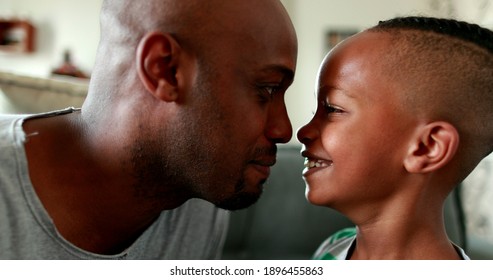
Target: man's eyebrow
{"type": "Point", "coordinates": [287, 72]}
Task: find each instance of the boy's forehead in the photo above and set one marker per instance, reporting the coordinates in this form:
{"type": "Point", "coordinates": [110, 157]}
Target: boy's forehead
{"type": "Point", "coordinates": [359, 68]}
{"type": "Point", "coordinates": [364, 52]}
{"type": "Point", "coordinates": [364, 44]}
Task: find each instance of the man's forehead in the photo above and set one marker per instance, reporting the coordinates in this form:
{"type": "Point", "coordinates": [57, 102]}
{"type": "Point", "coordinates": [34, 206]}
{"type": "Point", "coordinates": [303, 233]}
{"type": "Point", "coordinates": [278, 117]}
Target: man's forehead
{"type": "Point", "coordinates": [277, 69]}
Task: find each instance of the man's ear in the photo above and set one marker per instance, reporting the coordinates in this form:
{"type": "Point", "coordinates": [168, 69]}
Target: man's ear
{"type": "Point", "coordinates": [157, 62]}
{"type": "Point", "coordinates": [433, 146]}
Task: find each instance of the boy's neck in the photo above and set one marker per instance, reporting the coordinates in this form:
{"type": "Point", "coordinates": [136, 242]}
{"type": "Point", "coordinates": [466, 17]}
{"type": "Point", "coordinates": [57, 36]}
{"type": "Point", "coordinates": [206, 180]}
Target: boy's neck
{"type": "Point", "coordinates": [417, 237]}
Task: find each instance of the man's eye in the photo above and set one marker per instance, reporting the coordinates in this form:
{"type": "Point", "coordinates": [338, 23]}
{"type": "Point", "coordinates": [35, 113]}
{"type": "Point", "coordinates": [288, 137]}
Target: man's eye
{"type": "Point", "coordinates": [266, 92]}
{"type": "Point", "coordinates": [271, 89]}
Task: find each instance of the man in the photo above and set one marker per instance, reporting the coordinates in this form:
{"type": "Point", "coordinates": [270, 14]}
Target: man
{"type": "Point", "coordinates": [186, 101]}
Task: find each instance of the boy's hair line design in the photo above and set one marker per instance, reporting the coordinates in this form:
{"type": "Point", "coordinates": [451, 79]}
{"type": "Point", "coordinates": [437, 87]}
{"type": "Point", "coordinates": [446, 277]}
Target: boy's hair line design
{"type": "Point", "coordinates": [474, 33]}
{"type": "Point", "coordinates": [438, 45]}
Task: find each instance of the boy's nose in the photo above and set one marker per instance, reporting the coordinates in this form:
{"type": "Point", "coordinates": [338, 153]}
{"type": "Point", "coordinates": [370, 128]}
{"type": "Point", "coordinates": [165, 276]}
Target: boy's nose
{"type": "Point", "coordinates": [306, 133]}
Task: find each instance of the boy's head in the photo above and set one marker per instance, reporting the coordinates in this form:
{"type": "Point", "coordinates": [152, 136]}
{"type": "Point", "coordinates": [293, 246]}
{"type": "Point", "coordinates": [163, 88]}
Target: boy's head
{"type": "Point", "coordinates": [445, 68]}
{"type": "Point", "coordinates": [411, 95]}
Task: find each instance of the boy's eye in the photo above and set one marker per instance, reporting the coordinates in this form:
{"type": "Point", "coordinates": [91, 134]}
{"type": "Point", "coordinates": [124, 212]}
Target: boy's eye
{"type": "Point", "coordinates": [330, 109]}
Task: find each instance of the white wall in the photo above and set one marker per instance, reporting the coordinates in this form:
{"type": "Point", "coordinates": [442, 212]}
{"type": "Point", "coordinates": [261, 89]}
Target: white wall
{"type": "Point", "coordinates": [60, 25]}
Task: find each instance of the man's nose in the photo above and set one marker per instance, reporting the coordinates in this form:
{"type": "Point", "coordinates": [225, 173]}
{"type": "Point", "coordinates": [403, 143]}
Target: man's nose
{"type": "Point", "coordinates": [279, 128]}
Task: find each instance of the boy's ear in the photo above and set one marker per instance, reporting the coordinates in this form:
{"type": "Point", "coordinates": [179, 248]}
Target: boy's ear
{"type": "Point", "coordinates": [157, 63]}
{"type": "Point", "coordinates": [433, 146]}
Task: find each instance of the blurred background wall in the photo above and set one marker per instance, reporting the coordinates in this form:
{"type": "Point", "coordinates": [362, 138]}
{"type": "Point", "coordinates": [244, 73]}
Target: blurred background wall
{"type": "Point", "coordinates": [60, 25]}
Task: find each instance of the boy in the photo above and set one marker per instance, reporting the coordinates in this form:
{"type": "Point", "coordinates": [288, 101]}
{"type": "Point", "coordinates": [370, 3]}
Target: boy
{"type": "Point", "coordinates": [404, 114]}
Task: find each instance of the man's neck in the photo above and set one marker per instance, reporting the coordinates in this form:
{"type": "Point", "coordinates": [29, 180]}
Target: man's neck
{"type": "Point", "coordinates": [89, 198]}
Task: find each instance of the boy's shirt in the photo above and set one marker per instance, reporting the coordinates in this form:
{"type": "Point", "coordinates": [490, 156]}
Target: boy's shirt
{"type": "Point", "coordinates": [341, 244]}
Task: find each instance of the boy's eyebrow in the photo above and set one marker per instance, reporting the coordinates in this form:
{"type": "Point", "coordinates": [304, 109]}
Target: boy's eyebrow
{"type": "Point", "coordinates": [328, 88]}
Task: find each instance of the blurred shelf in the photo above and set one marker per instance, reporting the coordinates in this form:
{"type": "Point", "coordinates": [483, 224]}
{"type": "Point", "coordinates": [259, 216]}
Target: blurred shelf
{"type": "Point", "coordinates": [16, 36]}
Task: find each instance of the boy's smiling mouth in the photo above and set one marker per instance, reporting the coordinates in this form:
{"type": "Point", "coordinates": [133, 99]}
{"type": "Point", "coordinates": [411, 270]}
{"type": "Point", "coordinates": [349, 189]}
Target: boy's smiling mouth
{"type": "Point", "coordinates": [312, 163]}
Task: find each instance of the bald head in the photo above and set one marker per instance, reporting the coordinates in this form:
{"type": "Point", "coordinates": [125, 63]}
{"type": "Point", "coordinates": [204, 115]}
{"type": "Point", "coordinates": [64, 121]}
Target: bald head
{"type": "Point", "coordinates": [126, 21]}
{"type": "Point", "coordinates": [205, 30]}
{"type": "Point", "coordinates": [194, 23]}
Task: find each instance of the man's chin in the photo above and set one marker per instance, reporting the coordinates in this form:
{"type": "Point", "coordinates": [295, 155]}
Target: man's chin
{"type": "Point", "coordinates": [239, 201]}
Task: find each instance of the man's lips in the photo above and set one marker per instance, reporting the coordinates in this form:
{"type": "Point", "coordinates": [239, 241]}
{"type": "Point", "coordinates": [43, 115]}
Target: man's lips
{"type": "Point", "coordinates": [264, 170]}
{"type": "Point", "coordinates": [263, 159]}
{"type": "Point", "coordinates": [263, 166]}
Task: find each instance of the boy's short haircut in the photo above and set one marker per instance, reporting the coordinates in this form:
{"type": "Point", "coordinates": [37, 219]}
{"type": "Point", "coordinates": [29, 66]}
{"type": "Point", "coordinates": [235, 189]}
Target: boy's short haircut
{"type": "Point", "coordinates": [454, 28]}
{"type": "Point", "coordinates": [444, 69]}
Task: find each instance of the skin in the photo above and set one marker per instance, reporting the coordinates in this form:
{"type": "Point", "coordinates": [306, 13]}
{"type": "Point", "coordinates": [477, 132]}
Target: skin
{"type": "Point", "coordinates": [176, 110]}
{"type": "Point", "coordinates": [379, 164]}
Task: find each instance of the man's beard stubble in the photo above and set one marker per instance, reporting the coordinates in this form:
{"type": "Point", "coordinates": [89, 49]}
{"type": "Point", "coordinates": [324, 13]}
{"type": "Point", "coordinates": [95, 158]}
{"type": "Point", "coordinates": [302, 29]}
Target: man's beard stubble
{"type": "Point", "coordinates": [159, 178]}
{"type": "Point", "coordinates": [177, 163]}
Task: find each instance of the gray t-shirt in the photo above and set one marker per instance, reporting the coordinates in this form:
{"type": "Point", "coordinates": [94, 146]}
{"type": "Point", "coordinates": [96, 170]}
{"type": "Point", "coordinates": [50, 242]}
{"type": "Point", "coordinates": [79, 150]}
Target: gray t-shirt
{"type": "Point", "coordinates": [195, 230]}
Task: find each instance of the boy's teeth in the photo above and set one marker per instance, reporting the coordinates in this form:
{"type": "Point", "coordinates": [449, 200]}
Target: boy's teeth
{"type": "Point", "coordinates": [315, 163]}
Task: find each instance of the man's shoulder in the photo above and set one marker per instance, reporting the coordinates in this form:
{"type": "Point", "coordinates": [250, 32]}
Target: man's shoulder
{"type": "Point", "coordinates": [7, 125]}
